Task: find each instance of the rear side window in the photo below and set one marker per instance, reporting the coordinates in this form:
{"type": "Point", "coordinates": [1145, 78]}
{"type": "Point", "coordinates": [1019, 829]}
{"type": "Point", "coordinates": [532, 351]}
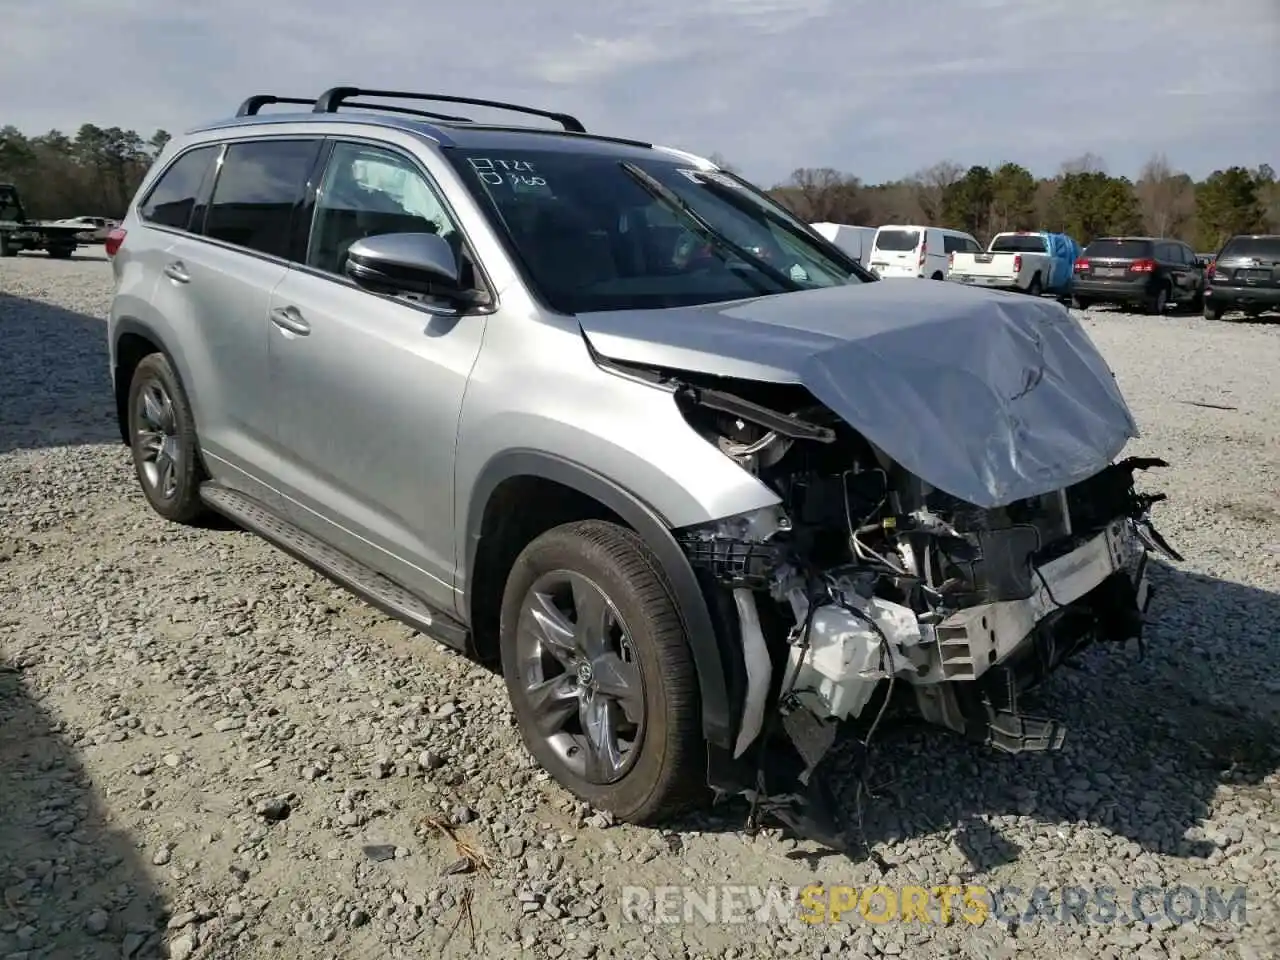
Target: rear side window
{"type": "Point", "coordinates": [1018, 244]}
{"type": "Point", "coordinates": [952, 244]}
{"type": "Point", "coordinates": [1262, 248]}
{"type": "Point", "coordinates": [170, 202]}
{"type": "Point", "coordinates": [1120, 249]}
{"type": "Point", "coordinates": [897, 241]}
{"type": "Point", "coordinates": [258, 186]}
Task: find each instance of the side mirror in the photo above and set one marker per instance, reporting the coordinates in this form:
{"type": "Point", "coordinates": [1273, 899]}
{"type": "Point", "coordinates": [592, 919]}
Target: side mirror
{"type": "Point", "coordinates": [391, 263]}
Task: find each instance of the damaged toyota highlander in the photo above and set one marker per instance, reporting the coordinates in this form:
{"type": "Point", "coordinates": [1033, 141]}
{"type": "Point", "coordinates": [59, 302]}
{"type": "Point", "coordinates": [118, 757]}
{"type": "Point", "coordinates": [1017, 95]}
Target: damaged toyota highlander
{"type": "Point", "coordinates": [610, 417]}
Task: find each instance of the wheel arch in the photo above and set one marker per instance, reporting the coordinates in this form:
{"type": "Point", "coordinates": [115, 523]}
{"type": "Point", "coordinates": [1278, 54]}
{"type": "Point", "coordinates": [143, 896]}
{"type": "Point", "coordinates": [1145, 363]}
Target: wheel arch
{"type": "Point", "coordinates": [132, 340]}
{"type": "Point", "coordinates": [619, 504]}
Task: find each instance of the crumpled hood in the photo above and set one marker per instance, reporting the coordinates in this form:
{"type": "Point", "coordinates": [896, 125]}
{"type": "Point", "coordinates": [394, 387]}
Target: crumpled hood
{"type": "Point", "coordinates": [989, 396]}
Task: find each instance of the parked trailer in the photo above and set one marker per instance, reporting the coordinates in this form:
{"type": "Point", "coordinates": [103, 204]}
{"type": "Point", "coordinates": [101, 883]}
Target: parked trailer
{"type": "Point", "coordinates": [17, 233]}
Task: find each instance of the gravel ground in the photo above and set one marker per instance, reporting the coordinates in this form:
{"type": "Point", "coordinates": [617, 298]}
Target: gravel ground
{"type": "Point", "coordinates": [207, 750]}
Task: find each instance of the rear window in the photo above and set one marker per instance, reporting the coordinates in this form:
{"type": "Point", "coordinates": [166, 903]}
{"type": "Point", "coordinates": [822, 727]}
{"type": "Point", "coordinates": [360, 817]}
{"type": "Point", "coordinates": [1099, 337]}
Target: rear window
{"type": "Point", "coordinates": [1262, 248]}
{"type": "Point", "coordinates": [896, 241]}
{"type": "Point", "coordinates": [1120, 249]}
{"type": "Point", "coordinates": [253, 199]}
{"type": "Point", "coordinates": [1015, 244]}
{"type": "Point", "coordinates": [171, 200]}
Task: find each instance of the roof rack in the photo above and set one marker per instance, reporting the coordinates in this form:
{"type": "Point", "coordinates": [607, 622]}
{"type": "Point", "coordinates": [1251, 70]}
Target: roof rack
{"type": "Point", "coordinates": [332, 99]}
{"type": "Point", "coordinates": [255, 103]}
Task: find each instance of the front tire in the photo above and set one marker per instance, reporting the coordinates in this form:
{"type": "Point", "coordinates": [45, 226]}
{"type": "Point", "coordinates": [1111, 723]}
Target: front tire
{"type": "Point", "coordinates": [162, 437]}
{"type": "Point", "coordinates": [600, 673]}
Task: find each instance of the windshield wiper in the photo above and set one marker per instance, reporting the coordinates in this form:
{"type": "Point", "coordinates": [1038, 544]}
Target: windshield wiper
{"type": "Point", "coordinates": [665, 195]}
{"type": "Point", "coordinates": [743, 200]}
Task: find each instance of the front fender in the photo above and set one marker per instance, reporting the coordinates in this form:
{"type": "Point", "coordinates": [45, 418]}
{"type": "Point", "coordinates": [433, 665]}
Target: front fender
{"type": "Point", "coordinates": [717, 710]}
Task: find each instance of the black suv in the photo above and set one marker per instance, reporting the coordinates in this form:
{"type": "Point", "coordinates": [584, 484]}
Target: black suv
{"type": "Point", "coordinates": [1245, 276]}
{"type": "Point", "coordinates": [1147, 272]}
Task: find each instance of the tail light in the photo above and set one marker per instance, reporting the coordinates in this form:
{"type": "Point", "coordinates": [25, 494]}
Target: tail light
{"type": "Point", "coordinates": [1209, 269]}
{"type": "Point", "coordinates": [924, 251]}
{"type": "Point", "coordinates": [1142, 266]}
{"type": "Point", "coordinates": [1017, 263]}
{"type": "Point", "coordinates": [115, 239]}
{"type": "Point", "coordinates": [951, 259]}
{"type": "Point", "coordinates": [1081, 265]}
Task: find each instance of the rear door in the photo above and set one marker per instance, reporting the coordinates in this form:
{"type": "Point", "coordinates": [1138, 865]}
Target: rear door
{"type": "Point", "coordinates": [1184, 263]}
{"type": "Point", "coordinates": [895, 251]}
{"type": "Point", "coordinates": [224, 278]}
{"type": "Point", "coordinates": [1110, 260]}
{"type": "Point", "coordinates": [1249, 262]}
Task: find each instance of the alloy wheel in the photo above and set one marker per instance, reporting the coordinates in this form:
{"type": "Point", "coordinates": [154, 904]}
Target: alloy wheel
{"type": "Point", "coordinates": [156, 431]}
{"type": "Point", "coordinates": [580, 676]}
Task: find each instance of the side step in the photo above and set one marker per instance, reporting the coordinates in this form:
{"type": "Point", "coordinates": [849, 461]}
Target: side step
{"type": "Point", "coordinates": [370, 586]}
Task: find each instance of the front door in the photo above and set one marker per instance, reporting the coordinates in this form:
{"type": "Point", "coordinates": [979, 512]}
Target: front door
{"type": "Point", "coordinates": [368, 389]}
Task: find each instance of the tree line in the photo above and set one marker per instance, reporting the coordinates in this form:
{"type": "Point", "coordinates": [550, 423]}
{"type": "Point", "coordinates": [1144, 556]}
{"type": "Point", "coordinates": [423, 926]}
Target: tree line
{"type": "Point", "coordinates": [1081, 200]}
{"type": "Point", "coordinates": [96, 172]}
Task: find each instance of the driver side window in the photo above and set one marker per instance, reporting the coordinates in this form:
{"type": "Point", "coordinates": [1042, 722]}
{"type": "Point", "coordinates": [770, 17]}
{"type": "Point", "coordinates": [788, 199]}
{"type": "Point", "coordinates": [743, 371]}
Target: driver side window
{"type": "Point", "coordinates": [368, 191]}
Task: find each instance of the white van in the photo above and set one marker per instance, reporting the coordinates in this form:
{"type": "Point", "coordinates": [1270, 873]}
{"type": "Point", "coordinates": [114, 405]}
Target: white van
{"type": "Point", "coordinates": [915, 251]}
{"type": "Point", "coordinates": [853, 240]}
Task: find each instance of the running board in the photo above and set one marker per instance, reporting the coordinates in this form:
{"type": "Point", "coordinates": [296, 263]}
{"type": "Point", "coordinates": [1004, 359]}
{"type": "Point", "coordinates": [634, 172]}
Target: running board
{"type": "Point", "coordinates": [371, 587]}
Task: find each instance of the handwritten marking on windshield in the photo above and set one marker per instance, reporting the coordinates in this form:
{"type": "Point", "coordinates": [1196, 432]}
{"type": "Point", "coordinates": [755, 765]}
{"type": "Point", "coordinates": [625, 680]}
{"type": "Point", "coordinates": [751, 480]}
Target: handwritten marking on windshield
{"type": "Point", "coordinates": [497, 172]}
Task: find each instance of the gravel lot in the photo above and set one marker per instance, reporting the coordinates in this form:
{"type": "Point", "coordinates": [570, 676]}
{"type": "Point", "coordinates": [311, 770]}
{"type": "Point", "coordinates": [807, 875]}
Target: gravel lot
{"type": "Point", "coordinates": [207, 750]}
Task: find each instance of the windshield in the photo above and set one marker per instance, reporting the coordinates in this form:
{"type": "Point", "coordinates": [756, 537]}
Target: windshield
{"type": "Point", "coordinates": [897, 241]}
{"type": "Point", "coordinates": [1260, 248]}
{"type": "Point", "coordinates": [1015, 243]}
{"type": "Point", "coordinates": [597, 232]}
{"type": "Point", "coordinates": [1119, 249]}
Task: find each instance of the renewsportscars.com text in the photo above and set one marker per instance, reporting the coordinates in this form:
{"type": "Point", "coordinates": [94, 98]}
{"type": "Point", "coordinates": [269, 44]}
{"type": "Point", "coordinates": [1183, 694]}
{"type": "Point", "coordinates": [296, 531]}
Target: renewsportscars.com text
{"type": "Point", "coordinates": [943, 904]}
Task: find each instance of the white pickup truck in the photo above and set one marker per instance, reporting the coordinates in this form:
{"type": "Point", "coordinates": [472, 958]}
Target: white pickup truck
{"type": "Point", "coordinates": [1013, 261]}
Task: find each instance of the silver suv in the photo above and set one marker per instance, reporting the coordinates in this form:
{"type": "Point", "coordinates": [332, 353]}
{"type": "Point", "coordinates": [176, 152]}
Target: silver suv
{"type": "Point", "coordinates": [605, 414]}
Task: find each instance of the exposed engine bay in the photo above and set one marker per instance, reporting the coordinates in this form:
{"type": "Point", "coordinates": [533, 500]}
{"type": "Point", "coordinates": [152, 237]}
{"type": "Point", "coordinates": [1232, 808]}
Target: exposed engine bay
{"type": "Point", "coordinates": [866, 587]}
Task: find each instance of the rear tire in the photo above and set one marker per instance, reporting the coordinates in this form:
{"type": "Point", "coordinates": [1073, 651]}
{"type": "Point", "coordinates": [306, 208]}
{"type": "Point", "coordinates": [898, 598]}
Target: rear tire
{"type": "Point", "coordinates": [7, 248]}
{"type": "Point", "coordinates": [1036, 289]}
{"type": "Point", "coordinates": [1081, 303]}
{"type": "Point", "coordinates": [652, 765]}
{"type": "Point", "coordinates": [162, 437]}
{"type": "Point", "coordinates": [1157, 305]}
{"type": "Point", "coordinates": [1213, 312]}
{"type": "Point", "coordinates": [61, 253]}
{"type": "Point", "coordinates": [937, 276]}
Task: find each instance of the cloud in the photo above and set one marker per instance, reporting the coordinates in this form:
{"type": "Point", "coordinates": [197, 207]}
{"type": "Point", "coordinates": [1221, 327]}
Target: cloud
{"type": "Point", "coordinates": [877, 89]}
{"type": "Point", "coordinates": [590, 59]}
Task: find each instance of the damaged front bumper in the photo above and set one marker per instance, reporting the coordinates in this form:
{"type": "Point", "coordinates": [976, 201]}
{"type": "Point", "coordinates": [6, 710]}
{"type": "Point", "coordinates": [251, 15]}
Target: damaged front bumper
{"type": "Point", "coordinates": [961, 666]}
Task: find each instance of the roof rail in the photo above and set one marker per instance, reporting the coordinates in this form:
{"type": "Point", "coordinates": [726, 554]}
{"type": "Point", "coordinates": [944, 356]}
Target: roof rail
{"type": "Point", "coordinates": [332, 99]}
{"type": "Point", "coordinates": [408, 110]}
{"type": "Point", "coordinates": [255, 103]}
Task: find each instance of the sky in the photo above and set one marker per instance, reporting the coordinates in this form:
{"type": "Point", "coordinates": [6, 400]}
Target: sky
{"type": "Point", "coordinates": [876, 89]}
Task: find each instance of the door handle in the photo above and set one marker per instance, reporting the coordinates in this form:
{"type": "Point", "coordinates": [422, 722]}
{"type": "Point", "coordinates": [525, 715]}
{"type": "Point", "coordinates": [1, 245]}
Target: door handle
{"type": "Point", "coordinates": [288, 318]}
{"type": "Point", "coordinates": [177, 271]}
